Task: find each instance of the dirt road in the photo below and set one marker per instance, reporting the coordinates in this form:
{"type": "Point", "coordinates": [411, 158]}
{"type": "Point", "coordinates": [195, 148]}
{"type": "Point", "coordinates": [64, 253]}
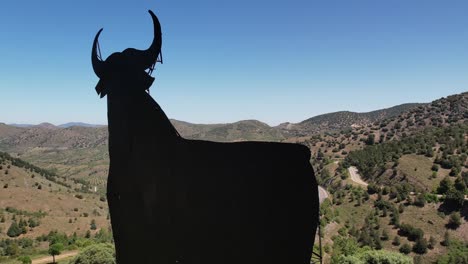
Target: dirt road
{"type": "Point", "coordinates": [48, 259]}
{"type": "Point", "coordinates": [355, 177]}
{"type": "Point", "coordinates": [323, 194]}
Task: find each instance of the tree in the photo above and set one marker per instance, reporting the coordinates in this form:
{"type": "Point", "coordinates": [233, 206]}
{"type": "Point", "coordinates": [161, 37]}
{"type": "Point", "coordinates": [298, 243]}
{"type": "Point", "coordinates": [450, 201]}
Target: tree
{"type": "Point", "coordinates": [429, 153]}
{"type": "Point", "coordinates": [23, 226]}
{"type": "Point", "coordinates": [411, 232]}
{"type": "Point", "coordinates": [395, 218]}
{"type": "Point", "coordinates": [93, 225]}
{"type": "Point", "coordinates": [444, 186]}
{"type": "Point", "coordinates": [454, 171]}
{"type": "Point", "coordinates": [55, 249]}
{"type": "Point", "coordinates": [396, 241]}
{"type": "Point", "coordinates": [373, 188]}
{"type": "Point", "coordinates": [454, 198]}
{"type": "Point", "coordinates": [454, 220]}
{"type": "Point", "coordinates": [12, 249]}
{"type": "Point", "coordinates": [457, 253]}
{"type": "Point", "coordinates": [420, 200]}
{"type": "Point", "coordinates": [33, 222]}
{"type": "Point", "coordinates": [420, 246]}
{"type": "Point", "coordinates": [370, 139]}
{"type": "Point", "coordinates": [377, 242]}
{"type": "Point", "coordinates": [447, 240]}
{"type": "Point", "coordinates": [405, 248]}
{"type": "Point", "coordinates": [460, 184]}
{"type": "Point", "coordinates": [14, 230]}
{"type": "Point", "coordinates": [384, 212]}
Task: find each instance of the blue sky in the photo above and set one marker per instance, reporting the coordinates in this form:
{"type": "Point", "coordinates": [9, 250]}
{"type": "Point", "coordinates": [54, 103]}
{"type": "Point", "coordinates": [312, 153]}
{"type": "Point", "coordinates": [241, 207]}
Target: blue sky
{"type": "Point", "coordinates": [224, 61]}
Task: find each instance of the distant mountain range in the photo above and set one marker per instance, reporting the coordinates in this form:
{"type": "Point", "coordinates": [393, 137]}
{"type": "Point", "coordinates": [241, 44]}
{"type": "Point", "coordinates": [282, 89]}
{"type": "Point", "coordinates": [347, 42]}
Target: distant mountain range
{"type": "Point", "coordinates": [82, 135]}
{"type": "Point", "coordinates": [66, 125]}
{"type": "Point", "coordinates": [334, 120]}
{"type": "Point", "coordinates": [257, 130]}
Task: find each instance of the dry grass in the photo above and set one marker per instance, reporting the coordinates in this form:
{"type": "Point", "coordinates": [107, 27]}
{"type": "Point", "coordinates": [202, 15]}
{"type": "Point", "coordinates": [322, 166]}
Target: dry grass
{"type": "Point", "coordinates": [418, 170]}
{"type": "Point", "coordinates": [57, 201]}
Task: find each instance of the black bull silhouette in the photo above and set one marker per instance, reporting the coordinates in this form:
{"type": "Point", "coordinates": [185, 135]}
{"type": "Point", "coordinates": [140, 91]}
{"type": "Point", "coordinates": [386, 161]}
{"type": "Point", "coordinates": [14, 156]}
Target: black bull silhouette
{"type": "Point", "coordinates": [174, 200]}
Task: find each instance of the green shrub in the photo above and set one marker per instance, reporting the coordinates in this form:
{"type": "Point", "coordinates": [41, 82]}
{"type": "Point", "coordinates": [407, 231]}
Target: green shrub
{"type": "Point", "coordinates": [420, 246]}
{"type": "Point", "coordinates": [25, 259]}
{"type": "Point", "coordinates": [374, 257]}
{"type": "Point", "coordinates": [457, 253]}
{"type": "Point", "coordinates": [405, 248]}
{"type": "Point", "coordinates": [102, 253]}
{"type": "Point", "coordinates": [14, 230]}
{"type": "Point", "coordinates": [454, 220]}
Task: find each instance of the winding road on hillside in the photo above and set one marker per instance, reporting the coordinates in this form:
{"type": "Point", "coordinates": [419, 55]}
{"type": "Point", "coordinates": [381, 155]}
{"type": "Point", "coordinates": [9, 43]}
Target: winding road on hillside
{"type": "Point", "coordinates": [355, 176]}
{"type": "Point", "coordinates": [49, 259]}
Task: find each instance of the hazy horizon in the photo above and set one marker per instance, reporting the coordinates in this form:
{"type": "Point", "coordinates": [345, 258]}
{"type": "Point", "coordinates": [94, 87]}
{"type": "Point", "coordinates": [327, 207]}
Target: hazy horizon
{"type": "Point", "coordinates": [272, 125]}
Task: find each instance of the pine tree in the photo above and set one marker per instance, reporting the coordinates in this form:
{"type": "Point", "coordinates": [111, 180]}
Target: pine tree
{"type": "Point", "coordinates": [93, 225]}
{"type": "Point", "coordinates": [460, 184]}
{"type": "Point", "coordinates": [405, 248]}
{"type": "Point", "coordinates": [14, 230]}
{"type": "Point", "coordinates": [444, 186]}
{"type": "Point", "coordinates": [420, 246]}
{"type": "Point", "coordinates": [420, 200]}
{"type": "Point", "coordinates": [454, 220]}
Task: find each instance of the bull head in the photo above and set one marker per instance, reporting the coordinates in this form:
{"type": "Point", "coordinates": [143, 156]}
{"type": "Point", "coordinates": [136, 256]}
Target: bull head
{"type": "Point", "coordinates": [126, 69]}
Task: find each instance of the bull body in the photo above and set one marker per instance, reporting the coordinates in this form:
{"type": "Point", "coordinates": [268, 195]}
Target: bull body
{"type": "Point", "coordinates": [173, 200]}
{"type": "Point", "coordinates": [194, 201]}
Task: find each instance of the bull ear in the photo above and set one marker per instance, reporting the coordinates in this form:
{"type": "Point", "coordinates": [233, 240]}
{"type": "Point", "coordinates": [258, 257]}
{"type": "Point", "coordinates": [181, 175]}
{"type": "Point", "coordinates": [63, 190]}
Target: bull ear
{"type": "Point", "coordinates": [98, 64]}
{"type": "Point", "coordinates": [101, 89]}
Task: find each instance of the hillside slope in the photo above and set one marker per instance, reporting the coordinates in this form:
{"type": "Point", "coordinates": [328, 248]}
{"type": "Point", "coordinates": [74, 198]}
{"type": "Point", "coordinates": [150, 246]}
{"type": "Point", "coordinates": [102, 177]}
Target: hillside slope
{"type": "Point", "coordinates": [52, 203]}
{"type": "Point", "coordinates": [342, 120]}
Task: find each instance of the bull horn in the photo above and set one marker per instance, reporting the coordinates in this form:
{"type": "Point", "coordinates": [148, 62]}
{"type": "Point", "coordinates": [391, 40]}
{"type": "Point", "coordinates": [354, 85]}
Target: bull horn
{"type": "Point", "coordinates": [146, 58]}
{"type": "Point", "coordinates": [98, 64]}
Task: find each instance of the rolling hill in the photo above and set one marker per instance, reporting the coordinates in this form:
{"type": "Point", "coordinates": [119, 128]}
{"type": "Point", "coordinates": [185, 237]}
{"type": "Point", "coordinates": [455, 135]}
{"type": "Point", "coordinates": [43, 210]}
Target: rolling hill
{"type": "Point", "coordinates": [396, 150]}
{"type": "Point", "coordinates": [52, 202]}
{"type": "Point", "coordinates": [341, 120]}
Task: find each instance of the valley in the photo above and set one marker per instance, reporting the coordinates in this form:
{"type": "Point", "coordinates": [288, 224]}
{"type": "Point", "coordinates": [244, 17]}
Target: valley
{"type": "Point", "coordinates": [392, 181]}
